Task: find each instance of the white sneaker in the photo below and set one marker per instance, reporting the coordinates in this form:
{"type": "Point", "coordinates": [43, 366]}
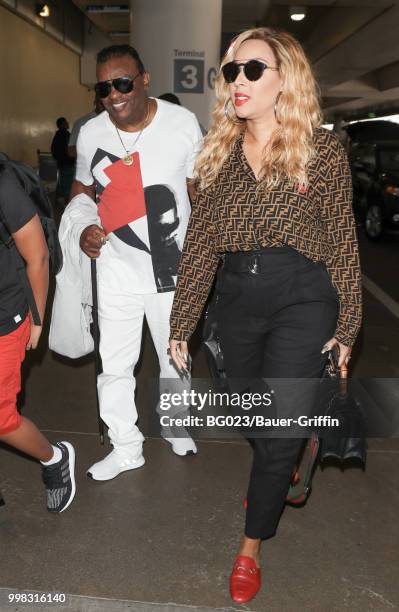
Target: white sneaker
{"type": "Point", "coordinates": [114, 464]}
{"type": "Point", "coordinates": [180, 446]}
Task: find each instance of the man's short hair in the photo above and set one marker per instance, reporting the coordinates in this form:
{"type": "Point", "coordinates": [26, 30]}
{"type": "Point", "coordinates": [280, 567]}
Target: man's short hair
{"type": "Point", "coordinates": [60, 121]}
{"type": "Point", "coordinates": [120, 51]}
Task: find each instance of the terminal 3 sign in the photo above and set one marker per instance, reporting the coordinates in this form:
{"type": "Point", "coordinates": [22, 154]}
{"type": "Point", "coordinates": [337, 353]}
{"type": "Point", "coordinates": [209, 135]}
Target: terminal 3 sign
{"type": "Point", "coordinates": [189, 72]}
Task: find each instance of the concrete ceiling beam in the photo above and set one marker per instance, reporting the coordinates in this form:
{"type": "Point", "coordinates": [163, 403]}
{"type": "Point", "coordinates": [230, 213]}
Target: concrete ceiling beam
{"type": "Point", "coordinates": [387, 98]}
{"type": "Point", "coordinates": [336, 27]}
{"type": "Point", "coordinates": [388, 76]}
{"type": "Point", "coordinates": [372, 47]}
{"type": "Point", "coordinates": [365, 86]}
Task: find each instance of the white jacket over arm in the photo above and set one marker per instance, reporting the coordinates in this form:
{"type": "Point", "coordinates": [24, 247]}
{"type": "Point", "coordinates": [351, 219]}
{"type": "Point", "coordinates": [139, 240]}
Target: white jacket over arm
{"type": "Point", "coordinates": [71, 314]}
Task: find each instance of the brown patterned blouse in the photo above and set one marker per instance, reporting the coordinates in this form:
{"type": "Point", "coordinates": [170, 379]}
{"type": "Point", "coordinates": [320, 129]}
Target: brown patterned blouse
{"type": "Point", "coordinates": [232, 216]}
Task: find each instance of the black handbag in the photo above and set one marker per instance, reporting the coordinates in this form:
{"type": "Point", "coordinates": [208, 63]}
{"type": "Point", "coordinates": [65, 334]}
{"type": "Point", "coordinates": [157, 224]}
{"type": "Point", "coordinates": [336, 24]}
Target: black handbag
{"type": "Point", "coordinates": [337, 401]}
{"type": "Point", "coordinates": [347, 441]}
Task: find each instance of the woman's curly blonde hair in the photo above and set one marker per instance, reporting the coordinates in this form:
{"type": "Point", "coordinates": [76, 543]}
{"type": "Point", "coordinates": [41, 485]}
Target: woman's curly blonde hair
{"type": "Point", "coordinates": [298, 113]}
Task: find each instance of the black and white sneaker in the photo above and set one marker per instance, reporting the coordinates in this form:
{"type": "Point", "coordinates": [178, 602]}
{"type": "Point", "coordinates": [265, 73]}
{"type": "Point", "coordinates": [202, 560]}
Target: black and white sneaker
{"type": "Point", "coordinates": [59, 479]}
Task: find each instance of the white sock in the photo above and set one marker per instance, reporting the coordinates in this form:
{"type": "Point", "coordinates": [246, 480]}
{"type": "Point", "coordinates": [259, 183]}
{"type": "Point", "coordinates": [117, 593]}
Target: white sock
{"type": "Point", "coordinates": [55, 458]}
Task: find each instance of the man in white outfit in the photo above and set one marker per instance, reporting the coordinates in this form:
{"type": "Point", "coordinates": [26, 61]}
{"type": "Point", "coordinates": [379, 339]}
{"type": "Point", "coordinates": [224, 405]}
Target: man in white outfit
{"type": "Point", "coordinates": [136, 160]}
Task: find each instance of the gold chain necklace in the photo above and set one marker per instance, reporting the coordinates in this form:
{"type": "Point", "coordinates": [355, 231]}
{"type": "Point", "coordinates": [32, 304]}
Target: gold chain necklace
{"type": "Point", "coordinates": [128, 158]}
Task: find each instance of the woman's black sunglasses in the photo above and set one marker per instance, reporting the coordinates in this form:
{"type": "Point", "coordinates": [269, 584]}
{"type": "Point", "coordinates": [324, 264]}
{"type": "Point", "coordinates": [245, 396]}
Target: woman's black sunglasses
{"type": "Point", "coordinates": [253, 70]}
{"type": "Point", "coordinates": [121, 84]}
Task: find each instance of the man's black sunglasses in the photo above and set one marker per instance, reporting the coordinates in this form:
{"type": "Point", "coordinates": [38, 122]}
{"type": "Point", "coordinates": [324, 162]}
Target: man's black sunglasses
{"type": "Point", "coordinates": [253, 70]}
{"type": "Point", "coordinates": [121, 84]}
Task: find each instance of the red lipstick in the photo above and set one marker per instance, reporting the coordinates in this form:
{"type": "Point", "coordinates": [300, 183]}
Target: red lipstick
{"type": "Point", "coordinates": [240, 99]}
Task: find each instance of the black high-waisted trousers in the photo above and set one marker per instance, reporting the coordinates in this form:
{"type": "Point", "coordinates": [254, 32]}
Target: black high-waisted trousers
{"type": "Point", "coordinates": [276, 309]}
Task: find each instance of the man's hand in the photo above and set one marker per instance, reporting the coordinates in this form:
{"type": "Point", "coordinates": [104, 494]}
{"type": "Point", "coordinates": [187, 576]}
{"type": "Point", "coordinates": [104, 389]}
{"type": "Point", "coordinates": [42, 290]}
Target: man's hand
{"type": "Point", "coordinates": [35, 331]}
{"type": "Point", "coordinates": [92, 239]}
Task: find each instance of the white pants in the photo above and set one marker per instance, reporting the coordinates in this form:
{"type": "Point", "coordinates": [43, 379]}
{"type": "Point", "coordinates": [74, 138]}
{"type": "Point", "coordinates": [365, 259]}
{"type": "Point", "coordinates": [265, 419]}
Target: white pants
{"type": "Point", "coordinates": [121, 324]}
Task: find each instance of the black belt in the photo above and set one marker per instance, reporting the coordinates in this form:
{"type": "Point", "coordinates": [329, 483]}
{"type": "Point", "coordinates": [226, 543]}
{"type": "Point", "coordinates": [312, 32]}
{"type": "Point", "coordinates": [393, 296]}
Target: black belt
{"type": "Point", "coordinates": [253, 261]}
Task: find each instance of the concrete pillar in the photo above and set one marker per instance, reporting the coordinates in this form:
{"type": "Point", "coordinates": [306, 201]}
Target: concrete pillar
{"type": "Point", "coordinates": [94, 41]}
{"type": "Point", "coordinates": [179, 43]}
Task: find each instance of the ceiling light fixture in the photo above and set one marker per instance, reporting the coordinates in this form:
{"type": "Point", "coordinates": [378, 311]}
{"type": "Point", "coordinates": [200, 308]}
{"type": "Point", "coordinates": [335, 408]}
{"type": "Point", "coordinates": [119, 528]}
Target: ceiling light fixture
{"type": "Point", "coordinates": [42, 9]}
{"type": "Point", "coordinates": [297, 13]}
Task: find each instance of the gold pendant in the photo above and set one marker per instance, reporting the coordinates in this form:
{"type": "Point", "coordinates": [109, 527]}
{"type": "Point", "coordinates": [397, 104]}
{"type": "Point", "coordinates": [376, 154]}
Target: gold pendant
{"type": "Point", "coordinates": [128, 160]}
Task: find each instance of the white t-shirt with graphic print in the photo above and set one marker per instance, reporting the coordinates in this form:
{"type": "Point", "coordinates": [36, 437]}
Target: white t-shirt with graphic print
{"type": "Point", "coordinates": [144, 207]}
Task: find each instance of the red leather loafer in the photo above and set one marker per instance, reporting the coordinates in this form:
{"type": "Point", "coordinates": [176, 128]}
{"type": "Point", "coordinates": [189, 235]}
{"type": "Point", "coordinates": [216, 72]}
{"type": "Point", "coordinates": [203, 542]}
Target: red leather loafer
{"type": "Point", "coordinates": [244, 579]}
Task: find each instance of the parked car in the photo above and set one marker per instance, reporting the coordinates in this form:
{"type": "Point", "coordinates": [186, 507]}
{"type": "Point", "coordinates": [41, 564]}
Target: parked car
{"type": "Point", "coordinates": [375, 173]}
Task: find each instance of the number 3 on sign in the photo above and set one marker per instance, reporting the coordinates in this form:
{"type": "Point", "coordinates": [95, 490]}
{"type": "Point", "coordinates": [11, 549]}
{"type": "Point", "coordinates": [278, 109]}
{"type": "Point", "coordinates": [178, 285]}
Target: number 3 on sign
{"type": "Point", "coordinates": [191, 77]}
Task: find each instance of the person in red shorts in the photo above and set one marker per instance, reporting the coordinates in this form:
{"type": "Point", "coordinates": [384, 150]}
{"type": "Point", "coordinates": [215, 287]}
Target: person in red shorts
{"type": "Point", "coordinates": [18, 333]}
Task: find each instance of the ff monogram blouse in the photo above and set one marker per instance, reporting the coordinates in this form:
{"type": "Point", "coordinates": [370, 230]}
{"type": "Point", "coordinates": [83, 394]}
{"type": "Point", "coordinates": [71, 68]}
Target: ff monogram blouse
{"type": "Point", "coordinates": [232, 215]}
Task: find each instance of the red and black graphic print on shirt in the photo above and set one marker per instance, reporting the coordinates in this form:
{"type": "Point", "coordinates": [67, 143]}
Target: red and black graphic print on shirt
{"type": "Point", "coordinates": [144, 218]}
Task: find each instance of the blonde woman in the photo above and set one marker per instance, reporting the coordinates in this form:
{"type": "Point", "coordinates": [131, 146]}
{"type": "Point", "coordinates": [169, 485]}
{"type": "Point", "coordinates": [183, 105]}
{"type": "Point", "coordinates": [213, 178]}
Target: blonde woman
{"type": "Point", "coordinates": [274, 200]}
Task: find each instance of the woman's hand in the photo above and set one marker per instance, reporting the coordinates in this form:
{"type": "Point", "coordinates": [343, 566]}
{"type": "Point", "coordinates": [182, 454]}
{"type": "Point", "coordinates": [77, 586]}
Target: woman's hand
{"type": "Point", "coordinates": [179, 353]}
{"type": "Point", "coordinates": [344, 351]}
